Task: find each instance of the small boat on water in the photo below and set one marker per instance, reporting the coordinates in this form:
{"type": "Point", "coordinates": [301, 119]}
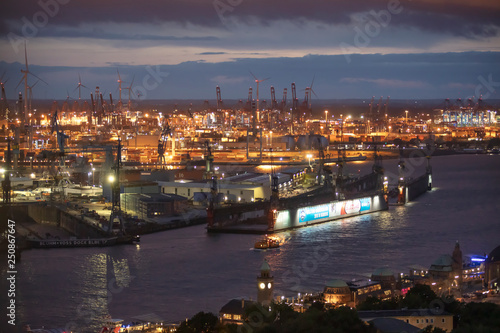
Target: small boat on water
{"type": "Point", "coordinates": [267, 243]}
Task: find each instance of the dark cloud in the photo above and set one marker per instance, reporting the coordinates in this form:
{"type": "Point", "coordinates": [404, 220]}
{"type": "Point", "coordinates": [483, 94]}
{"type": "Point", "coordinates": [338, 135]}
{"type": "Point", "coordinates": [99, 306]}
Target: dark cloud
{"type": "Point", "coordinates": [437, 75]}
{"type": "Point", "coordinates": [211, 53]}
{"type": "Point", "coordinates": [73, 33]}
{"type": "Point", "coordinates": [469, 19]}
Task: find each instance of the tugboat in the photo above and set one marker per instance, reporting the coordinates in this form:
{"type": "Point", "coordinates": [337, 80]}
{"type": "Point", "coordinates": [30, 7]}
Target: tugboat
{"type": "Point", "coordinates": [267, 243]}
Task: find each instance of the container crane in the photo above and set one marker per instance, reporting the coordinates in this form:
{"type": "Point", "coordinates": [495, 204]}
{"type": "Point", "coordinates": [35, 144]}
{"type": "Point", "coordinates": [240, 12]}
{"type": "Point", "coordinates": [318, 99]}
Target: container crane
{"type": "Point", "coordinates": [219, 99]}
{"type": "Point", "coordinates": [249, 99]}
{"type": "Point", "coordinates": [283, 101]}
{"type": "Point", "coordinates": [274, 103]}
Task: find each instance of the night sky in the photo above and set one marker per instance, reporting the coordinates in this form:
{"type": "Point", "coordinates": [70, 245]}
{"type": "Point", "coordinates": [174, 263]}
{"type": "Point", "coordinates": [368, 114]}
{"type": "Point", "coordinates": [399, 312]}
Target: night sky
{"type": "Point", "coordinates": [182, 49]}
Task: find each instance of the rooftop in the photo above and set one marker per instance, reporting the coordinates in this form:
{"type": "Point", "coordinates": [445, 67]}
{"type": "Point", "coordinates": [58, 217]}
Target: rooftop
{"type": "Point", "coordinates": [443, 261]}
{"type": "Point", "coordinates": [494, 255]}
{"type": "Point", "coordinates": [392, 325]}
{"type": "Point", "coordinates": [383, 271]}
{"type": "Point", "coordinates": [336, 284]}
{"type": "Point", "coordinates": [401, 313]}
{"type": "Point", "coordinates": [236, 306]}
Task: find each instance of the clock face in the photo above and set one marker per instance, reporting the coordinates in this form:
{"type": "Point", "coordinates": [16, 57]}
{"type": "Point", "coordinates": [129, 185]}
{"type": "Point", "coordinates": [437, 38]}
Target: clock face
{"type": "Point", "coordinates": [269, 285]}
{"type": "Point", "coordinates": [262, 285]}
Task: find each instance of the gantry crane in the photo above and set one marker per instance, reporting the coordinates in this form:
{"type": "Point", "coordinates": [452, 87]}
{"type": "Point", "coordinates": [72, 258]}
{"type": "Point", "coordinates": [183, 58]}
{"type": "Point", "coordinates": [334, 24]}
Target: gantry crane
{"type": "Point", "coordinates": [61, 137]}
{"type": "Point", "coordinates": [59, 178]}
{"type": "Point", "coordinates": [6, 186]}
{"type": "Point", "coordinates": [166, 132]}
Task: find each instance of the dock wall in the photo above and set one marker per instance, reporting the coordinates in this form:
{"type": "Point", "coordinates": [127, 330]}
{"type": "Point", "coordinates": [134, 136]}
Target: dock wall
{"type": "Point", "coordinates": [43, 213]}
{"type": "Point", "coordinates": [47, 214]}
{"type": "Point", "coordinates": [78, 228]}
{"type": "Point", "coordinates": [418, 186]}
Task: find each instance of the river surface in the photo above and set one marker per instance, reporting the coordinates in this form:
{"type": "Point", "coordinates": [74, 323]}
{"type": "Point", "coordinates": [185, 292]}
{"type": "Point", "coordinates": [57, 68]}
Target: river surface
{"type": "Point", "coordinates": [175, 274]}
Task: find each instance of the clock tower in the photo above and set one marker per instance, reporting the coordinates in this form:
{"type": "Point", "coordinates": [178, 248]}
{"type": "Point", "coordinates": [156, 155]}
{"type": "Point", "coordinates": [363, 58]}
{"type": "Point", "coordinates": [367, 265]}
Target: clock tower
{"type": "Point", "coordinates": [265, 285]}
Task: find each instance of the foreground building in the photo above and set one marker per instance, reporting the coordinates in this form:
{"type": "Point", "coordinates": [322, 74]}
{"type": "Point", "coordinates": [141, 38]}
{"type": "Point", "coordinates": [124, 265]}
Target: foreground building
{"type": "Point", "coordinates": [492, 270]}
{"type": "Point", "coordinates": [420, 318]}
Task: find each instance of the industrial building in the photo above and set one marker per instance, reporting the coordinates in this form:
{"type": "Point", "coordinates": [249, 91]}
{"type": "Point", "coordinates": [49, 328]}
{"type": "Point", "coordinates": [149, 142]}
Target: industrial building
{"type": "Point", "coordinates": [153, 204]}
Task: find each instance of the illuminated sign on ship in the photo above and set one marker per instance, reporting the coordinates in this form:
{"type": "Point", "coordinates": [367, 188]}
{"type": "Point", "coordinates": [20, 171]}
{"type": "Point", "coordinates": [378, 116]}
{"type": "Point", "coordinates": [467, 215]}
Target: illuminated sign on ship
{"type": "Point", "coordinates": [334, 209]}
{"type": "Point", "coordinates": [291, 218]}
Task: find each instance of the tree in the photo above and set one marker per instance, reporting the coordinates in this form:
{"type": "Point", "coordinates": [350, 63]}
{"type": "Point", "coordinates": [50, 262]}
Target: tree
{"type": "Point", "coordinates": [419, 297]}
{"type": "Point", "coordinates": [341, 320]}
{"type": "Point", "coordinates": [370, 303]}
{"type": "Point", "coordinates": [432, 329]}
{"type": "Point", "coordinates": [200, 322]}
{"type": "Point", "coordinates": [479, 317]}
{"type": "Point", "coordinates": [374, 303]}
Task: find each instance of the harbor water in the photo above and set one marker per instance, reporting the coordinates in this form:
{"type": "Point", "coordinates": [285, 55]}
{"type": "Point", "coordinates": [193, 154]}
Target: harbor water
{"type": "Point", "coordinates": [175, 274]}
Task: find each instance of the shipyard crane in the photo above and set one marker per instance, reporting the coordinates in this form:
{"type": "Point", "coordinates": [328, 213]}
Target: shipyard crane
{"type": "Point", "coordinates": [166, 132]}
{"type": "Point", "coordinates": [339, 182]}
{"type": "Point", "coordinates": [219, 99]}
{"type": "Point", "coordinates": [91, 111]}
{"type": "Point", "coordinates": [209, 161]}
{"type": "Point", "coordinates": [4, 112]}
{"type": "Point", "coordinates": [379, 106]}
{"type": "Point", "coordinates": [116, 223]}
{"type": "Point", "coordinates": [61, 137]}
{"type": "Point", "coordinates": [248, 104]}
{"type": "Point", "coordinates": [6, 185]}
{"type": "Point", "coordinates": [401, 180]}
{"type": "Point", "coordinates": [119, 89]}
{"type": "Point", "coordinates": [295, 104]}
{"type": "Point", "coordinates": [59, 178]}
{"type": "Point", "coordinates": [189, 111]}
{"type": "Point", "coordinates": [370, 114]}
{"type": "Point", "coordinates": [254, 111]}
{"type": "Point", "coordinates": [321, 157]}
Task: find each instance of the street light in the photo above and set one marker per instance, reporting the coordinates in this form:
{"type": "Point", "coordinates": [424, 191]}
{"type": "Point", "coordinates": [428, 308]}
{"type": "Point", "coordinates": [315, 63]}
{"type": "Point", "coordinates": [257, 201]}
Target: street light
{"type": "Point", "coordinates": [309, 156]}
{"type": "Point", "coordinates": [111, 178]}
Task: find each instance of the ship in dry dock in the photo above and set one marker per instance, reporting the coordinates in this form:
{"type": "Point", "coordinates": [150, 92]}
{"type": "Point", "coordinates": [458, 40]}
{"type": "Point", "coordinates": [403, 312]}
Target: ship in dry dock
{"type": "Point", "coordinates": [332, 197]}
